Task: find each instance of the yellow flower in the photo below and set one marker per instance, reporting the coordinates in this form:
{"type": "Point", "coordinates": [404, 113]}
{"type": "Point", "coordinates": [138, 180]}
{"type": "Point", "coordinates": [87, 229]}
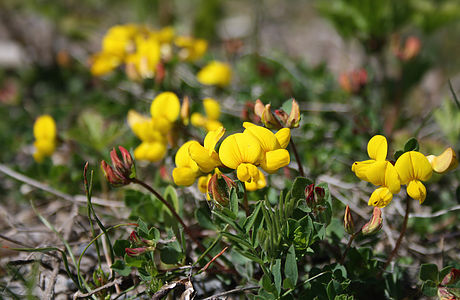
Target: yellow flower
{"type": "Point", "coordinates": [153, 146]}
{"type": "Point", "coordinates": [192, 49]}
{"type": "Point", "coordinates": [45, 137]}
{"type": "Point", "coordinates": [206, 156]}
{"type": "Point", "coordinates": [379, 172]}
{"type": "Point", "coordinates": [445, 162]}
{"type": "Point", "coordinates": [143, 62]}
{"type": "Point", "coordinates": [103, 63]}
{"type": "Point", "coordinates": [215, 73]}
{"type": "Point", "coordinates": [212, 110]}
{"type": "Point", "coordinates": [256, 185]}
{"type": "Point", "coordinates": [413, 168]}
{"type": "Point", "coordinates": [203, 184]}
{"type": "Point", "coordinates": [165, 110]}
{"type": "Point", "coordinates": [242, 151]}
{"type": "Point", "coordinates": [118, 39]}
{"type": "Point", "coordinates": [186, 170]}
{"type": "Point", "coordinates": [274, 154]}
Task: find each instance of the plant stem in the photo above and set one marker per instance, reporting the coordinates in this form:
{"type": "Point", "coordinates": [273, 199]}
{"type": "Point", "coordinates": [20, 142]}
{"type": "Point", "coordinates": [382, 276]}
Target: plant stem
{"type": "Point", "coordinates": [400, 238]}
{"type": "Point", "coordinates": [352, 237]}
{"type": "Point", "coordinates": [297, 158]}
{"type": "Point", "coordinates": [176, 215]}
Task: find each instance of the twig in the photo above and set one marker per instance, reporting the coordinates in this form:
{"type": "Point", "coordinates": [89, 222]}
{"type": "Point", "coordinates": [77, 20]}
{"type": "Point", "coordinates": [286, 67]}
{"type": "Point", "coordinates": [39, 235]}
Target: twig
{"type": "Point", "coordinates": [400, 238]}
{"type": "Point", "coordinates": [436, 214]}
{"type": "Point", "coordinates": [234, 291]}
{"type": "Point", "coordinates": [105, 286]}
{"type": "Point", "coordinates": [297, 158]}
{"type": "Point", "coordinates": [77, 198]}
{"type": "Point", "coordinates": [213, 259]}
{"type": "Point", "coordinates": [352, 237]}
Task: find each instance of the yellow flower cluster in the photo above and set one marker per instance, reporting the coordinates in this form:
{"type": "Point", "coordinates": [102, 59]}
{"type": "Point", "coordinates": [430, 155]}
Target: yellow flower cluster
{"type": "Point", "coordinates": [153, 131]}
{"type": "Point", "coordinates": [141, 49]}
{"type": "Point", "coordinates": [45, 137]}
{"type": "Point", "coordinates": [215, 73]}
{"type": "Point", "coordinates": [244, 152]}
{"type": "Point", "coordinates": [410, 169]}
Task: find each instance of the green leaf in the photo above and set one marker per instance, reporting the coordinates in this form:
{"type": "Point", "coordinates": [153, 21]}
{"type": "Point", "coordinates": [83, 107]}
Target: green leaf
{"type": "Point", "coordinates": [398, 154]}
{"type": "Point", "coordinates": [121, 268]}
{"type": "Point", "coordinates": [444, 271]}
{"type": "Point", "coordinates": [287, 284]}
{"type": "Point", "coordinates": [428, 272]}
{"type": "Point", "coordinates": [233, 201]}
{"type": "Point", "coordinates": [228, 220]}
{"type": "Point", "coordinates": [119, 247]}
{"type": "Point", "coordinates": [298, 187]}
{"type": "Point", "coordinates": [154, 234]}
{"type": "Point", "coordinates": [411, 145]}
{"type": "Point", "coordinates": [276, 270]}
{"type": "Point", "coordinates": [249, 222]}
{"type": "Point", "coordinates": [134, 261]}
{"type": "Point", "coordinates": [169, 255]}
{"type": "Point", "coordinates": [429, 288]}
{"type": "Point", "coordinates": [202, 215]}
{"type": "Point", "coordinates": [290, 267]}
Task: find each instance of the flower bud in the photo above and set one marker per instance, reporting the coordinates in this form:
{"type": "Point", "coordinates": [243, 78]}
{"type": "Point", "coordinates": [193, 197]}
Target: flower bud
{"type": "Point", "coordinates": [444, 291]}
{"type": "Point", "coordinates": [122, 171]}
{"type": "Point", "coordinates": [375, 224]}
{"type": "Point", "coordinates": [445, 162]}
{"type": "Point", "coordinates": [320, 193]}
{"type": "Point", "coordinates": [219, 188]}
{"type": "Point", "coordinates": [348, 223]}
{"type": "Point", "coordinates": [281, 115]}
{"type": "Point", "coordinates": [310, 195]}
{"type": "Point", "coordinates": [259, 108]}
{"type": "Point", "coordinates": [294, 117]}
{"type": "Point", "coordinates": [452, 277]}
{"type": "Point", "coordinates": [136, 251]}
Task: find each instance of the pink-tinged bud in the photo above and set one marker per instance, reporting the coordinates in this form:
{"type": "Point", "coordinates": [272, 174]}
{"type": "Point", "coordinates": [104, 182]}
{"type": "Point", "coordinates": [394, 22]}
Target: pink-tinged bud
{"type": "Point", "coordinates": [348, 223]}
{"type": "Point", "coordinates": [310, 195]}
{"type": "Point", "coordinates": [294, 117]}
{"type": "Point", "coordinates": [375, 224]}
{"type": "Point", "coordinates": [219, 187]}
{"type": "Point", "coordinates": [320, 193]}
{"type": "Point", "coordinates": [259, 108]}
{"type": "Point", "coordinates": [269, 119]}
{"type": "Point", "coordinates": [354, 81]}
{"type": "Point", "coordinates": [134, 238]}
{"type": "Point", "coordinates": [281, 115]}
{"type": "Point", "coordinates": [445, 294]}
{"type": "Point", "coordinates": [136, 251]}
{"type": "Point", "coordinates": [122, 171]}
{"type": "Point", "coordinates": [452, 277]}
{"type": "Point", "coordinates": [160, 73]}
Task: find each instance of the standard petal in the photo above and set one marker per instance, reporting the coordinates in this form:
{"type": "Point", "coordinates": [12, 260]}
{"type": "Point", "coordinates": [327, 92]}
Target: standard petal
{"type": "Point", "coordinates": [165, 105]}
{"type": "Point", "coordinates": [45, 128]}
{"type": "Point", "coordinates": [239, 148]}
{"type": "Point", "coordinates": [275, 160]}
{"type": "Point", "coordinates": [404, 167]}
{"type": "Point", "coordinates": [266, 138]}
{"type": "Point", "coordinates": [377, 147]}
{"type": "Point", "coordinates": [392, 181]}
{"type": "Point", "coordinates": [413, 165]}
{"type": "Point", "coordinates": [283, 136]}
{"type": "Point", "coordinates": [183, 158]}
{"type": "Point", "coordinates": [416, 190]}
{"type": "Point", "coordinates": [380, 197]}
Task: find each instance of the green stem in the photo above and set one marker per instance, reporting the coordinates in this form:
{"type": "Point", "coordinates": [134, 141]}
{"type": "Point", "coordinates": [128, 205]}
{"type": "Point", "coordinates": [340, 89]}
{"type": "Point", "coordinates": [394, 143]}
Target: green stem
{"type": "Point", "coordinates": [352, 237]}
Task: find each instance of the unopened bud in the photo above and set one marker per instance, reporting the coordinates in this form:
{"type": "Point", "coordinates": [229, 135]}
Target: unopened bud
{"type": "Point", "coordinates": [445, 162]}
{"type": "Point", "coordinates": [122, 170]}
{"type": "Point", "coordinates": [452, 277]}
{"type": "Point", "coordinates": [219, 188]}
{"type": "Point", "coordinates": [310, 195]}
{"type": "Point", "coordinates": [320, 193]}
{"type": "Point", "coordinates": [348, 223]}
{"type": "Point", "coordinates": [259, 108]}
{"type": "Point", "coordinates": [375, 224]}
{"type": "Point", "coordinates": [134, 238]}
{"type": "Point", "coordinates": [445, 289]}
{"type": "Point", "coordinates": [281, 115]}
{"type": "Point", "coordinates": [160, 73]}
{"type": "Point", "coordinates": [294, 117]}
{"type": "Point", "coordinates": [136, 251]}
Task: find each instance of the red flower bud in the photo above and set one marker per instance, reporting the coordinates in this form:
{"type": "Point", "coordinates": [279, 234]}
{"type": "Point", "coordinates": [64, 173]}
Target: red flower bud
{"type": "Point", "coordinates": [219, 187]}
{"type": "Point", "coordinates": [136, 251]}
{"type": "Point", "coordinates": [310, 195]}
{"type": "Point", "coordinates": [122, 171]}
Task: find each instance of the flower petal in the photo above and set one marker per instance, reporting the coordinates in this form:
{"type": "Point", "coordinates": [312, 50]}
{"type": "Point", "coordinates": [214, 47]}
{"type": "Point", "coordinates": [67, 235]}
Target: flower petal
{"type": "Point", "coordinates": [45, 128]}
{"type": "Point", "coordinates": [266, 138]}
{"type": "Point", "coordinates": [275, 159]}
{"type": "Point", "coordinates": [283, 136]}
{"type": "Point", "coordinates": [445, 162]}
{"type": "Point", "coordinates": [212, 137]}
{"type": "Point", "coordinates": [360, 168]}
{"type": "Point", "coordinates": [256, 185]}
{"type": "Point", "coordinates": [413, 165]}
{"type": "Point", "coordinates": [380, 197]}
{"type": "Point", "coordinates": [377, 147]}
{"type": "Point", "coordinates": [184, 176]}
{"type": "Point", "coordinates": [416, 190]}
{"type": "Point", "coordinates": [212, 108]}
{"type": "Point", "coordinates": [165, 105]}
{"type": "Point", "coordinates": [202, 158]}
{"type": "Point", "coordinates": [183, 158]}
{"type": "Point", "coordinates": [247, 172]}
{"type": "Point", "coordinates": [239, 148]}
